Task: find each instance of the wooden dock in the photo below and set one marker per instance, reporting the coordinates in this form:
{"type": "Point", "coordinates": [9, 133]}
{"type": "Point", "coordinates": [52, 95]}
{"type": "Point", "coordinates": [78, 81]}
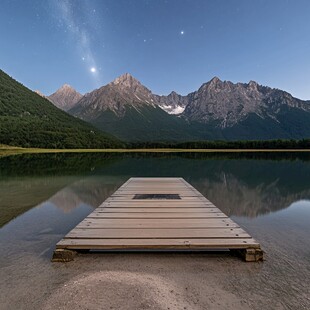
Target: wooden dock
{"type": "Point", "coordinates": [157, 213]}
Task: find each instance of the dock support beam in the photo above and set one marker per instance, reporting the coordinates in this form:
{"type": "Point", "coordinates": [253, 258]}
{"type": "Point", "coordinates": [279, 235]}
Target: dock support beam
{"type": "Point", "coordinates": [250, 255]}
{"type": "Point", "coordinates": [63, 255]}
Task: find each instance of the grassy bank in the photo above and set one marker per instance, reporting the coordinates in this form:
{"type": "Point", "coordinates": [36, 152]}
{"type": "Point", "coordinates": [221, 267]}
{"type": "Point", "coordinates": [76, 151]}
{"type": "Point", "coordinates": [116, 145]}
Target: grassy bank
{"type": "Point", "coordinates": [9, 150]}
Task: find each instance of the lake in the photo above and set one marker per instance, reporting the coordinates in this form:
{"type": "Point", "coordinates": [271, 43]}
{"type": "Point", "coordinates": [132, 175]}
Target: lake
{"type": "Point", "coordinates": [43, 196]}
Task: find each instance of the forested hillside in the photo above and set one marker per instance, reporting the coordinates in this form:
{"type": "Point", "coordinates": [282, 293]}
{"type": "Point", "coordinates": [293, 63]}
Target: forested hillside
{"type": "Point", "coordinates": [29, 120]}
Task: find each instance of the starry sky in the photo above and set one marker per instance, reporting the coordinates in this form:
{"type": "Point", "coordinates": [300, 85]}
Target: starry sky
{"type": "Point", "coordinates": [166, 44]}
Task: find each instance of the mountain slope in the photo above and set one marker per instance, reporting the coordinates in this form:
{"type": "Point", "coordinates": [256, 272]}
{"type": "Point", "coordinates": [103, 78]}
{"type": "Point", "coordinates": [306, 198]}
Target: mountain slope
{"type": "Point", "coordinates": [127, 109]}
{"type": "Point", "coordinates": [65, 97]}
{"type": "Point", "coordinates": [27, 119]}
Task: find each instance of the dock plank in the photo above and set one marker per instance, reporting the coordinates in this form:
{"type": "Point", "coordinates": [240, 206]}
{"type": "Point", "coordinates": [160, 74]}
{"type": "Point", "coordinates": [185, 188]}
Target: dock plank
{"type": "Point", "coordinates": [162, 233]}
{"type": "Point", "coordinates": [150, 223]}
{"type": "Point", "coordinates": [106, 244]}
{"type": "Point", "coordinates": [152, 204]}
{"type": "Point", "coordinates": [158, 210]}
{"type": "Point", "coordinates": [156, 215]}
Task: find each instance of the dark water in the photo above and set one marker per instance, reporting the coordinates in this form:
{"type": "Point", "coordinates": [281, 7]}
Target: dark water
{"type": "Point", "coordinates": [42, 197]}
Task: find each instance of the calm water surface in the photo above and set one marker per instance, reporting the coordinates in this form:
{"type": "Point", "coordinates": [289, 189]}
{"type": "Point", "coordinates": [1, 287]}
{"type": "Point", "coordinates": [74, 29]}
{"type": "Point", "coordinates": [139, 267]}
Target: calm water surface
{"type": "Point", "coordinates": [42, 197]}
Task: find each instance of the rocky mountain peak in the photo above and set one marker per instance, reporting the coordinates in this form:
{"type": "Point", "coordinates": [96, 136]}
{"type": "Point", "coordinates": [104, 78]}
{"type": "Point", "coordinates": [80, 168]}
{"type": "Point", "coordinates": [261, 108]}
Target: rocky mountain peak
{"type": "Point", "coordinates": [66, 87]}
{"type": "Point", "coordinates": [65, 97]}
{"type": "Point", "coordinates": [253, 85]}
{"type": "Point", "coordinates": [174, 94]}
{"type": "Point", "coordinates": [124, 93]}
{"type": "Point", "coordinates": [212, 84]}
{"type": "Point", "coordinates": [215, 80]}
{"type": "Point", "coordinates": [126, 80]}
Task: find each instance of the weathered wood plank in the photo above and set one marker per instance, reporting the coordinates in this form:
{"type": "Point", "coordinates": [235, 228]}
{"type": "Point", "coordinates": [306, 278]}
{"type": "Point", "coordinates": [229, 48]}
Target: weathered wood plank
{"type": "Point", "coordinates": [163, 215]}
{"type": "Point", "coordinates": [162, 203]}
{"type": "Point", "coordinates": [157, 243]}
{"type": "Point", "coordinates": [157, 210]}
{"type": "Point", "coordinates": [157, 233]}
{"type": "Point", "coordinates": [150, 223]}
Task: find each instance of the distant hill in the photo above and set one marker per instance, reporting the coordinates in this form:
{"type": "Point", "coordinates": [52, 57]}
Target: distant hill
{"type": "Point", "coordinates": [218, 110]}
{"type": "Point", "coordinates": [65, 97]}
{"type": "Point", "coordinates": [29, 120]}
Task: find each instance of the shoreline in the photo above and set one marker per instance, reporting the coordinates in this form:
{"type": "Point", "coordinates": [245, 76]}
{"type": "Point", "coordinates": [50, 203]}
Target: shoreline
{"type": "Point", "coordinates": [5, 151]}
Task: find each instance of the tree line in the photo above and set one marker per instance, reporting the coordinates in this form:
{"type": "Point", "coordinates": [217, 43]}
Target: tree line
{"type": "Point", "coordinates": [252, 144]}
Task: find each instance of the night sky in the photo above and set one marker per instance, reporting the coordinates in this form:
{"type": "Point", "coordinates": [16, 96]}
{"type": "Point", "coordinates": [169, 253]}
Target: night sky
{"type": "Point", "coordinates": [167, 45]}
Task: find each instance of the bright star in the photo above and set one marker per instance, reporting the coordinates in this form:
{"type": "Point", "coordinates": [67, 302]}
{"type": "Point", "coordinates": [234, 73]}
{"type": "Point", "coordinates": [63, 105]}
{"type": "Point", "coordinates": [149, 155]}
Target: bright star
{"type": "Point", "coordinates": [182, 32]}
{"type": "Point", "coordinates": [93, 69]}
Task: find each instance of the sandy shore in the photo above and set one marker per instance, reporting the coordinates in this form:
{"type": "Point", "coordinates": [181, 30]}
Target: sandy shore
{"type": "Point", "coordinates": [153, 281]}
{"type": "Point", "coordinates": [147, 281]}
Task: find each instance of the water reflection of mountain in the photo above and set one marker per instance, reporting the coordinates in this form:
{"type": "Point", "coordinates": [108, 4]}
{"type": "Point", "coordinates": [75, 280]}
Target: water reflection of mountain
{"type": "Point", "coordinates": [238, 187]}
{"type": "Point", "coordinates": [91, 191]}
{"type": "Point", "coordinates": [18, 195]}
{"type": "Point", "coordinates": [245, 185]}
{"type": "Point", "coordinates": [235, 197]}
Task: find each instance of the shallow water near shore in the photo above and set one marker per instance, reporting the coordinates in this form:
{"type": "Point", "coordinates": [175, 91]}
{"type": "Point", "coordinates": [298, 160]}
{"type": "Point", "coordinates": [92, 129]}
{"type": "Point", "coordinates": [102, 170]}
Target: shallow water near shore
{"type": "Point", "coordinates": [43, 196]}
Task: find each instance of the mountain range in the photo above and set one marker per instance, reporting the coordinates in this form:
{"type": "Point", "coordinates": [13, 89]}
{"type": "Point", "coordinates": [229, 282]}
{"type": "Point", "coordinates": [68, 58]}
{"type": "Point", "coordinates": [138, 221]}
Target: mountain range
{"type": "Point", "coordinates": [127, 110]}
{"type": "Point", "coordinates": [218, 110]}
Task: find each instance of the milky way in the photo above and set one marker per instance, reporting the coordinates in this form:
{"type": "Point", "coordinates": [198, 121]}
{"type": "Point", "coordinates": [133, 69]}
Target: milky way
{"type": "Point", "coordinates": [74, 26]}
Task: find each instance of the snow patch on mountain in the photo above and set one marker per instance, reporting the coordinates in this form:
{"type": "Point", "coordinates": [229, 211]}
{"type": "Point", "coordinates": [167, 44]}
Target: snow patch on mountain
{"type": "Point", "coordinates": [175, 110]}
